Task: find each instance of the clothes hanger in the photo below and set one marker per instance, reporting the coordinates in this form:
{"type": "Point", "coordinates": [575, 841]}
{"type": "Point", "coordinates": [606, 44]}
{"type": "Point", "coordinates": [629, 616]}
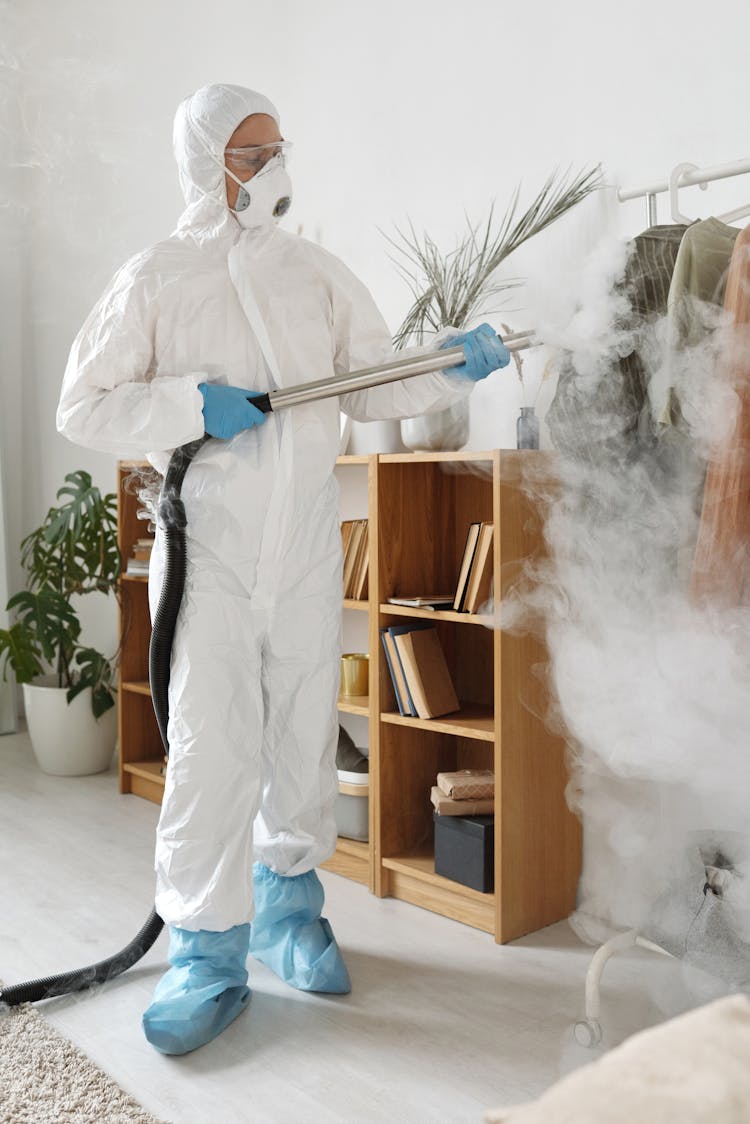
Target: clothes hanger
{"type": "Point", "coordinates": [674, 191]}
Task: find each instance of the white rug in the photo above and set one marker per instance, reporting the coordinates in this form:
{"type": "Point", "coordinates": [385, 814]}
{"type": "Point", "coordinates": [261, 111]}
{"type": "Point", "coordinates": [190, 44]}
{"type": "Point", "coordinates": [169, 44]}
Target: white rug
{"type": "Point", "coordinates": [45, 1079]}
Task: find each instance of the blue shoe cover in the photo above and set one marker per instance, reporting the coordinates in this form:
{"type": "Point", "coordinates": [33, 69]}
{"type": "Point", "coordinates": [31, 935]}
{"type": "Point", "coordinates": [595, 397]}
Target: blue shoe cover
{"type": "Point", "coordinates": [203, 991]}
{"type": "Point", "coordinates": [289, 935]}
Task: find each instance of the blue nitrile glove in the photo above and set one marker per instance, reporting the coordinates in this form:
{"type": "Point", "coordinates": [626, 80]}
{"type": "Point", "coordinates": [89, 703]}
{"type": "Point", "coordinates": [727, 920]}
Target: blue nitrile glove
{"type": "Point", "coordinates": [484, 352]}
{"type": "Point", "coordinates": [226, 410]}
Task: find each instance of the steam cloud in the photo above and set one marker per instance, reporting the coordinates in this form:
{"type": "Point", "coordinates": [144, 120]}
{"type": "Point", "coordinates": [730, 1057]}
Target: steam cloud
{"type": "Point", "coordinates": [653, 691]}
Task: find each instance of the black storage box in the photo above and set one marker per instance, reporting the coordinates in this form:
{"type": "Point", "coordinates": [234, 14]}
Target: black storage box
{"type": "Point", "coordinates": [465, 850]}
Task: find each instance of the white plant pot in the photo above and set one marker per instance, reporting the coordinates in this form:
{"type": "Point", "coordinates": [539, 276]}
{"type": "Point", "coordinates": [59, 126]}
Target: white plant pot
{"type": "Point", "coordinates": [66, 738]}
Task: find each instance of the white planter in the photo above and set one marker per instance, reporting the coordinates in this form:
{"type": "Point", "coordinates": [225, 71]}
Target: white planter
{"type": "Point", "coordinates": [440, 430]}
{"type": "Point", "coordinates": [375, 437]}
{"type": "Point", "coordinates": [66, 738]}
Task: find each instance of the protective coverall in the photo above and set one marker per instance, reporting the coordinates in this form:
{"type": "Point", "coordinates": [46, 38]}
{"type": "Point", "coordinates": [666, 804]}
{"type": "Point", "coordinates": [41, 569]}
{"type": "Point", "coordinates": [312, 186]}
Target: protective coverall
{"type": "Point", "coordinates": [255, 664]}
{"type": "Point", "coordinates": [253, 722]}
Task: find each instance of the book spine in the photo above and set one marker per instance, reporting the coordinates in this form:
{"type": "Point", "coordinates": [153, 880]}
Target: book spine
{"type": "Point", "coordinates": [399, 702]}
{"type": "Point", "coordinates": [411, 674]}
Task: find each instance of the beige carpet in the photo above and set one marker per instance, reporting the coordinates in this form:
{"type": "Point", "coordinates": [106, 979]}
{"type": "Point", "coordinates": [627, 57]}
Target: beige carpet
{"type": "Point", "coordinates": [45, 1079]}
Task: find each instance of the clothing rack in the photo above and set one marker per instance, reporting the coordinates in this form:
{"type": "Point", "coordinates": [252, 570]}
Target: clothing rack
{"type": "Point", "coordinates": [686, 175]}
{"type": "Point", "coordinates": [588, 1030]}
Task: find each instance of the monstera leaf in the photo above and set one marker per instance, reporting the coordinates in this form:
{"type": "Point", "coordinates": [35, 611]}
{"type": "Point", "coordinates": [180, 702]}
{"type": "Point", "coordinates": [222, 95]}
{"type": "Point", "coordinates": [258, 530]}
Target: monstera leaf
{"type": "Point", "coordinates": [96, 673]}
{"type": "Point", "coordinates": [19, 650]}
{"type": "Point", "coordinates": [50, 617]}
{"type": "Point", "coordinates": [75, 549]}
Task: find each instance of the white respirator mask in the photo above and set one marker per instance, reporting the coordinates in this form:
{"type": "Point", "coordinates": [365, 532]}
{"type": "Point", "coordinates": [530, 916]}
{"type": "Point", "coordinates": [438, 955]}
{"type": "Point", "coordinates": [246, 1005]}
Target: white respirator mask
{"type": "Point", "coordinates": [265, 198]}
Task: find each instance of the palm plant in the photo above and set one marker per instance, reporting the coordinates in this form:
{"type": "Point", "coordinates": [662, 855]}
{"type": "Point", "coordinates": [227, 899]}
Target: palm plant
{"type": "Point", "coordinates": [74, 551]}
{"type": "Point", "coordinates": [451, 289]}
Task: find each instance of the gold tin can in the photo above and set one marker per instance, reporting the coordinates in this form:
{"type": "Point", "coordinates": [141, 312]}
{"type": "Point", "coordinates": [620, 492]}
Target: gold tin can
{"type": "Point", "coordinates": [355, 674]}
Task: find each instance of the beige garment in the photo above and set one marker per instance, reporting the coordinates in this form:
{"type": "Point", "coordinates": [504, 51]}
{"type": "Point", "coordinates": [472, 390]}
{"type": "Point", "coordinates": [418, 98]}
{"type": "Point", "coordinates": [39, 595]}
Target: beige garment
{"type": "Point", "coordinates": [696, 293]}
{"type": "Point", "coordinates": [721, 561]}
{"type": "Point", "coordinates": [691, 1070]}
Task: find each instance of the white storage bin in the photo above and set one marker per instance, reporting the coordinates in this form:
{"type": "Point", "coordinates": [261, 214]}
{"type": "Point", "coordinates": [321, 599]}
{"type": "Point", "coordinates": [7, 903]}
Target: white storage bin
{"type": "Point", "coordinates": [352, 812]}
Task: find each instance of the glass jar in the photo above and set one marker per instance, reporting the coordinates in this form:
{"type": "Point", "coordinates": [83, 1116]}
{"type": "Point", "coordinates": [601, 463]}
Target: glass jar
{"type": "Point", "coordinates": [527, 429]}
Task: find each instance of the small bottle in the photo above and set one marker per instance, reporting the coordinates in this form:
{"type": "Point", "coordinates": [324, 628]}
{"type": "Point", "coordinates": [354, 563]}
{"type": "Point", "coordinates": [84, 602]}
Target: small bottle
{"type": "Point", "coordinates": [527, 429]}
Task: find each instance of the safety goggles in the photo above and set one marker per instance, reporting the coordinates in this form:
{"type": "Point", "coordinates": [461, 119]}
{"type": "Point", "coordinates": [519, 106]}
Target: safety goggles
{"type": "Point", "coordinates": [251, 159]}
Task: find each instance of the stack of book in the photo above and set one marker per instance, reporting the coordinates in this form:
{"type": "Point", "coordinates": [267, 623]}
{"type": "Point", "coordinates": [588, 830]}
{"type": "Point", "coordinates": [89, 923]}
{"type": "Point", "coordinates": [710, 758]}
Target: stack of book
{"type": "Point", "coordinates": [355, 544]}
{"type": "Point", "coordinates": [469, 792]}
{"type": "Point", "coordinates": [421, 680]}
{"type": "Point", "coordinates": [139, 559]}
{"type": "Point", "coordinates": [475, 575]}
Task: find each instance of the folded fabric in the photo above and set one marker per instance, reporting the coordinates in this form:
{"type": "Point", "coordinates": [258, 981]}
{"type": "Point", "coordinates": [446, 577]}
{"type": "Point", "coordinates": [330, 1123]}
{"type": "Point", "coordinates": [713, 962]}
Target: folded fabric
{"type": "Point", "coordinates": [348, 757]}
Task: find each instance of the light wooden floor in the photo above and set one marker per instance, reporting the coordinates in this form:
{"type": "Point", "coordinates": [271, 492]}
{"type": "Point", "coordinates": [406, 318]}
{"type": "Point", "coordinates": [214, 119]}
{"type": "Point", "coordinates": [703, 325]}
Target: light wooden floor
{"type": "Point", "coordinates": [442, 1024]}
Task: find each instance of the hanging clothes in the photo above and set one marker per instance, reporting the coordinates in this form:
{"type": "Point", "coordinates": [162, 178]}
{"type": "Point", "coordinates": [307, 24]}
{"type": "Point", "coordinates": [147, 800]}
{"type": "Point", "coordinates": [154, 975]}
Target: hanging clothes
{"type": "Point", "coordinates": [722, 557]}
{"type": "Point", "coordinates": [613, 415]}
{"type": "Point", "coordinates": [698, 286]}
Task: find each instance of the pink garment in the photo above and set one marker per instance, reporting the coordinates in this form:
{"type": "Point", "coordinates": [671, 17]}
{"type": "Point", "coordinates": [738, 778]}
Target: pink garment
{"type": "Point", "coordinates": [721, 565]}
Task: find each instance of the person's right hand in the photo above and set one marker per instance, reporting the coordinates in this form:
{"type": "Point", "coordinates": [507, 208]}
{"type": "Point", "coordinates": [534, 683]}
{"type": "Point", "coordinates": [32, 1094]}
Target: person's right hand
{"type": "Point", "coordinates": [227, 411]}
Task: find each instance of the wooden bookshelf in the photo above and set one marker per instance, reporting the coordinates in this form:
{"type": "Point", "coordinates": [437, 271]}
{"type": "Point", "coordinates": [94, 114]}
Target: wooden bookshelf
{"type": "Point", "coordinates": [419, 506]}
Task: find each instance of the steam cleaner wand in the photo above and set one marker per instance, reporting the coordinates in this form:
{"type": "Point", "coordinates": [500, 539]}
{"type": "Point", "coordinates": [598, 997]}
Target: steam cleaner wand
{"type": "Point", "coordinates": [172, 522]}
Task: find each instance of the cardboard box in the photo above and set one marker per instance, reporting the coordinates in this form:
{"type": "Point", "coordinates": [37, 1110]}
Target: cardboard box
{"type": "Point", "coordinates": [465, 850]}
{"type": "Point", "coordinates": [468, 784]}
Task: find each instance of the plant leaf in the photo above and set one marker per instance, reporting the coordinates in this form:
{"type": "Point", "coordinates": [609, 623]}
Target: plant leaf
{"type": "Point", "coordinates": [96, 672]}
{"type": "Point", "coordinates": [49, 618]}
{"type": "Point", "coordinates": [450, 288]}
{"type": "Point", "coordinates": [20, 651]}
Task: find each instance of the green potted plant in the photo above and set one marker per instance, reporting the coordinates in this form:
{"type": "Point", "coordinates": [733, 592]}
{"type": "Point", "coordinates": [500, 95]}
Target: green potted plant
{"type": "Point", "coordinates": [68, 687]}
{"type": "Point", "coordinates": [455, 288]}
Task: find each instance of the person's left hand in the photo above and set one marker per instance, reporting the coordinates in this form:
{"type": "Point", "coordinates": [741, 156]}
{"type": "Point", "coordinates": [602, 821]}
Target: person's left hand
{"type": "Point", "coordinates": [485, 352]}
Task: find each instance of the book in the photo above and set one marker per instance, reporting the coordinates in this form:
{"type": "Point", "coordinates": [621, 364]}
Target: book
{"type": "Point", "coordinates": [394, 667]}
{"type": "Point", "coordinates": [427, 676]}
{"type": "Point", "coordinates": [467, 784]}
{"type": "Point", "coordinates": [466, 561]}
{"type": "Point", "coordinates": [352, 553]}
{"type": "Point", "coordinates": [395, 630]}
{"type": "Point", "coordinates": [346, 534]}
{"type": "Point", "coordinates": [444, 806]}
{"type": "Point", "coordinates": [137, 567]}
{"type": "Point", "coordinates": [424, 601]}
{"type": "Point", "coordinates": [359, 590]}
{"type": "Point", "coordinates": [480, 574]}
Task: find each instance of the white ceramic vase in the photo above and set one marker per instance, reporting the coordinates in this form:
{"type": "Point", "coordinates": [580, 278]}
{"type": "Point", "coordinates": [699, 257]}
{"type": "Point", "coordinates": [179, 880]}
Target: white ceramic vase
{"type": "Point", "coordinates": [68, 741]}
{"type": "Point", "coordinates": [439, 431]}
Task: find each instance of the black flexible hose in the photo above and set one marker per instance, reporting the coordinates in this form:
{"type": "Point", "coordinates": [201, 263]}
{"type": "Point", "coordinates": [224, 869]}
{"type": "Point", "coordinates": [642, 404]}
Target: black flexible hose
{"type": "Point", "coordinates": [172, 520]}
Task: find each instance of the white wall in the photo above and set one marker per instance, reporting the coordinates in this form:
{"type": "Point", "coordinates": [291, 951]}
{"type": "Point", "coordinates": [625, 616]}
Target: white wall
{"type": "Point", "coordinates": [398, 110]}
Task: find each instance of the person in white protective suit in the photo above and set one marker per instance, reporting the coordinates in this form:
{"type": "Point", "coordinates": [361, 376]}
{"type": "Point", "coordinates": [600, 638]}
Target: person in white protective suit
{"type": "Point", "coordinates": [229, 305]}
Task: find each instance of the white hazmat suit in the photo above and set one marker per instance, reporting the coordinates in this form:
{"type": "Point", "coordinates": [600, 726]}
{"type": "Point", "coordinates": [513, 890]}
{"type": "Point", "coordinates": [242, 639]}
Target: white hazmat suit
{"type": "Point", "coordinates": [255, 662]}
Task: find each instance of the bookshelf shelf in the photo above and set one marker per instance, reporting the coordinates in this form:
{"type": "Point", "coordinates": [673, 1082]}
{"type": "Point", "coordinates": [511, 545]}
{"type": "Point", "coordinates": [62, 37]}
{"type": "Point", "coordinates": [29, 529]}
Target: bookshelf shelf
{"type": "Point", "coordinates": [355, 704]}
{"type": "Point", "coordinates": [415, 879]}
{"type": "Point", "coordinates": [135, 578]}
{"type": "Point", "coordinates": [149, 769]}
{"type": "Point", "coordinates": [144, 779]}
{"type": "Point", "coordinates": [472, 721]}
{"type": "Point", "coordinates": [138, 688]}
{"type": "Point", "coordinates": [352, 860]}
{"type": "Point", "coordinates": [347, 789]}
{"type": "Point", "coordinates": [418, 507]}
{"type": "Point", "coordinates": [436, 615]}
